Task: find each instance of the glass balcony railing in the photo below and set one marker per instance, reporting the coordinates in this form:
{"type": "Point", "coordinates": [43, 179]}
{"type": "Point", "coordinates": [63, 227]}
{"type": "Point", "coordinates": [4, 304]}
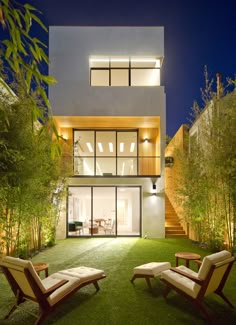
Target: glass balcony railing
{"type": "Point", "coordinates": [117, 166]}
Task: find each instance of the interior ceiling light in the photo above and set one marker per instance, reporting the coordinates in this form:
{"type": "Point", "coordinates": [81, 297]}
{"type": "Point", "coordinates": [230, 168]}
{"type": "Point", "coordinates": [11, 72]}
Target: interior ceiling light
{"type": "Point", "coordinates": [98, 60]}
{"type": "Point", "coordinates": [126, 60]}
{"type": "Point", "coordinates": [111, 146]}
{"type": "Point", "coordinates": [120, 60]}
{"type": "Point", "coordinates": [144, 60]}
{"type": "Point", "coordinates": [122, 147]}
{"type": "Point", "coordinates": [89, 147]}
{"type": "Point", "coordinates": [100, 147]}
{"type": "Point", "coordinates": [132, 145]}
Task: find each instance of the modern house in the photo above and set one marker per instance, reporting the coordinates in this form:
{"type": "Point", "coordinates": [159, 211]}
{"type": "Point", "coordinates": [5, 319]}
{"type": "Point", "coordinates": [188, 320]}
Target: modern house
{"type": "Point", "coordinates": [110, 105]}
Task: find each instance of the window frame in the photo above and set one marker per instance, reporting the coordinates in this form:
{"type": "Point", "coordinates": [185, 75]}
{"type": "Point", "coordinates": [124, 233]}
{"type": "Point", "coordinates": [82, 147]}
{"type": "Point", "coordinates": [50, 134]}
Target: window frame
{"type": "Point", "coordinates": [115, 156]}
{"type": "Point", "coordinates": [130, 68]}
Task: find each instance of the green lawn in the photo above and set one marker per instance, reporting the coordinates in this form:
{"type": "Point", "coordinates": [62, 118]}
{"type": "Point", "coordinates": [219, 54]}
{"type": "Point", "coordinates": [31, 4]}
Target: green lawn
{"type": "Point", "coordinates": [119, 302]}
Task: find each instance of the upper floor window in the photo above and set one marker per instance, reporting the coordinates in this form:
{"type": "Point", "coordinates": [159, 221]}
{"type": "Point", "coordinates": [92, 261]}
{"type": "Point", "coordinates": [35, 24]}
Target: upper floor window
{"type": "Point", "coordinates": [115, 153]}
{"type": "Point", "coordinates": [105, 152]}
{"type": "Point", "coordinates": [124, 71]}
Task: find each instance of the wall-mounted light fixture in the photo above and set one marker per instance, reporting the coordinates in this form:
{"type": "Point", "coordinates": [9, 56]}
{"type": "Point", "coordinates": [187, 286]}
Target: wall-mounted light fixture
{"type": "Point", "coordinates": [146, 140]}
{"type": "Point", "coordinates": [154, 187]}
{"type": "Point", "coordinates": [169, 161]}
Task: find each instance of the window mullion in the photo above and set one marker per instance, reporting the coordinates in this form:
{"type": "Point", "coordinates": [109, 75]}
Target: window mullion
{"type": "Point", "coordinates": [95, 153]}
{"type": "Point", "coordinates": [109, 72]}
{"type": "Point", "coordinates": [116, 155]}
{"type": "Point", "coordinates": [129, 72]}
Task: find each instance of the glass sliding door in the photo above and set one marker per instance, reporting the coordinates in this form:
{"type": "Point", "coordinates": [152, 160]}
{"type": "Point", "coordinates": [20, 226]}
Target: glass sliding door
{"type": "Point", "coordinates": [79, 211]}
{"type": "Point", "coordinates": [128, 211]}
{"type": "Point", "coordinates": [103, 211]}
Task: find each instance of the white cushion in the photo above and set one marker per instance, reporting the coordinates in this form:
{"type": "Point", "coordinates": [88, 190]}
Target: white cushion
{"type": "Point", "coordinates": [210, 260]}
{"type": "Point", "coordinates": [153, 268]}
{"type": "Point", "coordinates": [74, 277]}
{"type": "Point", "coordinates": [83, 272]}
{"type": "Point", "coordinates": [181, 282]}
{"type": "Point", "coordinates": [16, 267]}
{"type": "Point", "coordinates": [64, 289]}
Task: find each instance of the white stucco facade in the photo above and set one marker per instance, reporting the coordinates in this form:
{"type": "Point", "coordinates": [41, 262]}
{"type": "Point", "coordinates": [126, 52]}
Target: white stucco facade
{"type": "Point", "coordinates": [70, 49]}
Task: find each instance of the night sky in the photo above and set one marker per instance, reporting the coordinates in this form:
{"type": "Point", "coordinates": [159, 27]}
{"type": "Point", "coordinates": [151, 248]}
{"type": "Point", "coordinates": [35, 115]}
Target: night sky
{"type": "Point", "coordinates": [198, 33]}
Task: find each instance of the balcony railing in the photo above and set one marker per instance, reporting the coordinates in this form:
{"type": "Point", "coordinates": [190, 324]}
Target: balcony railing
{"type": "Point", "coordinates": [117, 166]}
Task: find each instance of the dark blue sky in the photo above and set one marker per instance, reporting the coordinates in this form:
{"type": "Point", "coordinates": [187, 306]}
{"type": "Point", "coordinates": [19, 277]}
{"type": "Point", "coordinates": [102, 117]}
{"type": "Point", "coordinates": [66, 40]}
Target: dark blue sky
{"type": "Point", "coordinates": [198, 33]}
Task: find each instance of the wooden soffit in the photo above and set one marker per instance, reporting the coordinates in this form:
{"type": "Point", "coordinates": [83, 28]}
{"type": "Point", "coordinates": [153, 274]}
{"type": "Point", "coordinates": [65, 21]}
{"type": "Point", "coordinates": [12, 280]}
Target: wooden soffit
{"type": "Point", "coordinates": [110, 122]}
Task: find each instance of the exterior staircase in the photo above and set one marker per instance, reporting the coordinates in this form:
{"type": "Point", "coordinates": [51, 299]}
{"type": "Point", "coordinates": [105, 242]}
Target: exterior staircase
{"type": "Point", "coordinates": [173, 228]}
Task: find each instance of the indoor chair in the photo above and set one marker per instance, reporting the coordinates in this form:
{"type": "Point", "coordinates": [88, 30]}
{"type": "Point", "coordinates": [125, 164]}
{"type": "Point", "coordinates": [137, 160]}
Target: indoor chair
{"type": "Point", "coordinates": [109, 226]}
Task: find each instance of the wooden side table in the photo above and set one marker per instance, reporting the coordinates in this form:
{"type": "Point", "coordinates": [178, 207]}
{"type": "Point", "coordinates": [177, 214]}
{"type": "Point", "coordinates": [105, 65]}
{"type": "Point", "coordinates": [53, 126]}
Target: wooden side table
{"type": "Point", "coordinates": [40, 266]}
{"type": "Point", "coordinates": [187, 256]}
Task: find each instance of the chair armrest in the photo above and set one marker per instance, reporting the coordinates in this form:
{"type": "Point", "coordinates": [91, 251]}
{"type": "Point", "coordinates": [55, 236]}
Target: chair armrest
{"type": "Point", "coordinates": [187, 275]}
{"type": "Point", "coordinates": [54, 287]}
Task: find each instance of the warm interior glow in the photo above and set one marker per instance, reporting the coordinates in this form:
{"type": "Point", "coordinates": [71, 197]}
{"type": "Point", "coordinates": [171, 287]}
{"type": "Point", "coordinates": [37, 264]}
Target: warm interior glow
{"type": "Point", "coordinates": [98, 60]}
{"type": "Point", "coordinates": [119, 60]}
{"type": "Point", "coordinates": [132, 146]}
{"type": "Point", "coordinates": [124, 71]}
{"type": "Point", "coordinates": [123, 169]}
{"type": "Point", "coordinates": [144, 60]}
{"type": "Point", "coordinates": [111, 146]}
{"type": "Point", "coordinates": [122, 147]}
{"type": "Point", "coordinates": [89, 147]}
{"type": "Point", "coordinates": [100, 147]}
{"type": "Point", "coordinates": [64, 136]}
{"type": "Point", "coordinates": [98, 168]}
{"type": "Point", "coordinates": [87, 169]}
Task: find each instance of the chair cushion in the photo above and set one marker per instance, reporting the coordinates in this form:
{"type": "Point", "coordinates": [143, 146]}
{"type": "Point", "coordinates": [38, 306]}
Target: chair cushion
{"type": "Point", "coordinates": [83, 273]}
{"type": "Point", "coordinates": [153, 268]}
{"type": "Point", "coordinates": [16, 266]}
{"type": "Point", "coordinates": [210, 260]}
{"type": "Point", "coordinates": [181, 282]}
{"type": "Point", "coordinates": [75, 277]}
{"type": "Point", "coordinates": [58, 294]}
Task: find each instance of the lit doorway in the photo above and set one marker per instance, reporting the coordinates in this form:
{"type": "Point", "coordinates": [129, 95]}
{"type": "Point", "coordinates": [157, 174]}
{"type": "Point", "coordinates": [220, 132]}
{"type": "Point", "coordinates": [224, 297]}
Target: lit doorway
{"type": "Point", "coordinates": [104, 211]}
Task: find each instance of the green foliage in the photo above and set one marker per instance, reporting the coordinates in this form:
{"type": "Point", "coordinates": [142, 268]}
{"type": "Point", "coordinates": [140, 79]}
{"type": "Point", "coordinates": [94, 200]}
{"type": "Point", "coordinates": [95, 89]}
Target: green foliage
{"type": "Point", "coordinates": [29, 157]}
{"type": "Point", "coordinates": [119, 302]}
{"type": "Point", "coordinates": [207, 183]}
{"type": "Point", "coordinates": [21, 49]}
{"type": "Point", "coordinates": [28, 177]}
{"type": "Point", "coordinates": [24, 54]}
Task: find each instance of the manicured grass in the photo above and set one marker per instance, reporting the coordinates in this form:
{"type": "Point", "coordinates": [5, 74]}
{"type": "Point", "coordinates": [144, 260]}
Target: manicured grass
{"type": "Point", "coordinates": [119, 302]}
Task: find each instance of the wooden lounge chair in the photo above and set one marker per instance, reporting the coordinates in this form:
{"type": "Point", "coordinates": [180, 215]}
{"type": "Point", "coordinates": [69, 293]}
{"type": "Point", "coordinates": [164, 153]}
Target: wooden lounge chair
{"type": "Point", "coordinates": [210, 278]}
{"type": "Point", "coordinates": [49, 292]}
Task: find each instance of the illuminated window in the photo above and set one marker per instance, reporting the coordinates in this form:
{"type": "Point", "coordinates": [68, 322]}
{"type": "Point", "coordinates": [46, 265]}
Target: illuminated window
{"type": "Point", "coordinates": [103, 211]}
{"type": "Point", "coordinates": [99, 77]}
{"type": "Point", "coordinates": [104, 153]}
{"type": "Point", "coordinates": [114, 153]}
{"type": "Point", "coordinates": [134, 71]}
